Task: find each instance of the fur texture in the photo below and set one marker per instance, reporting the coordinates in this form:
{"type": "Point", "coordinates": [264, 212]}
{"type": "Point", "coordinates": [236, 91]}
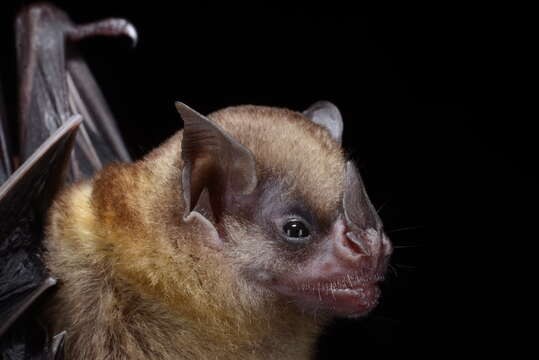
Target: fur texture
{"type": "Point", "coordinates": [138, 282]}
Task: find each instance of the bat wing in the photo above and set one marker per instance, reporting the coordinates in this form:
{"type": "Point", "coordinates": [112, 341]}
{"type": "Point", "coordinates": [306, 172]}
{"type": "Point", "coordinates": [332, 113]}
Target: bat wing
{"type": "Point", "coordinates": [24, 198]}
{"type": "Point", "coordinates": [55, 84]}
{"type": "Point", "coordinates": [67, 132]}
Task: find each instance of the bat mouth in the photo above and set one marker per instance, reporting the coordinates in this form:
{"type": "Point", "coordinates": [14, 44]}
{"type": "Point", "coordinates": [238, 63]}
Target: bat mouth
{"type": "Point", "coordinates": [348, 296]}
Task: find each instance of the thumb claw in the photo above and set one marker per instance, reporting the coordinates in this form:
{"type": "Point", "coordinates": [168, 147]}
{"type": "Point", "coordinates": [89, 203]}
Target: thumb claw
{"type": "Point", "coordinates": [107, 27]}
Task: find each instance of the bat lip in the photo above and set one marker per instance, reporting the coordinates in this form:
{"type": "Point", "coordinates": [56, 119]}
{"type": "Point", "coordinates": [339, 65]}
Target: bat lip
{"type": "Point", "coordinates": [348, 296]}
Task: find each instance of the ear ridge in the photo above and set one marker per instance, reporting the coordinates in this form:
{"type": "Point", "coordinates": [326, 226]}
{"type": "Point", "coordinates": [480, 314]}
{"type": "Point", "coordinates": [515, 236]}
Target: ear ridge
{"type": "Point", "coordinates": [327, 115]}
{"type": "Point", "coordinates": [213, 160]}
{"type": "Point", "coordinates": [203, 214]}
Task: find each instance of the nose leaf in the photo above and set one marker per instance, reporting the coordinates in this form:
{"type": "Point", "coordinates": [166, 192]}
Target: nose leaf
{"type": "Point", "coordinates": [363, 225]}
{"type": "Point", "coordinates": [358, 209]}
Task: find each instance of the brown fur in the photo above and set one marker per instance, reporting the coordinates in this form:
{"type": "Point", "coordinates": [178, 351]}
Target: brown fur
{"type": "Point", "coordinates": [137, 282]}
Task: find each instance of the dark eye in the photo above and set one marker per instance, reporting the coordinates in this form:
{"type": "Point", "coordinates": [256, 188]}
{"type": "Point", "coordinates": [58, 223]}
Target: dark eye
{"type": "Point", "coordinates": [296, 229]}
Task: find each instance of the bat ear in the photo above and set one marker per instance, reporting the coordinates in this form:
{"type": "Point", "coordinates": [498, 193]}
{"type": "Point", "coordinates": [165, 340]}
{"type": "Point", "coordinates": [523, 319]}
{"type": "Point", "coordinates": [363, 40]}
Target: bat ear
{"type": "Point", "coordinates": [358, 209]}
{"type": "Point", "coordinates": [328, 116]}
{"type": "Point", "coordinates": [213, 161]}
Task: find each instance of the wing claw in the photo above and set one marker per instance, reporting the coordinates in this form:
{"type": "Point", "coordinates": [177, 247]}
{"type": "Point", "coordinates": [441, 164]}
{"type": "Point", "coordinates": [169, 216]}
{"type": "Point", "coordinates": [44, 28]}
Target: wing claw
{"type": "Point", "coordinates": [107, 27]}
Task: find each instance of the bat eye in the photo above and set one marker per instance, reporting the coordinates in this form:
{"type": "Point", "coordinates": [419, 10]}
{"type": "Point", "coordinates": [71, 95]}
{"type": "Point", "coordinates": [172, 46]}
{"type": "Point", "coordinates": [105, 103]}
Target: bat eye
{"type": "Point", "coordinates": [296, 230]}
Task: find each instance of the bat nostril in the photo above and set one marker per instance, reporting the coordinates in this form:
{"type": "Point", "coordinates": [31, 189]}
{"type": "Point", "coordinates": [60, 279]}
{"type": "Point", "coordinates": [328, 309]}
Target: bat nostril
{"type": "Point", "coordinates": [355, 245]}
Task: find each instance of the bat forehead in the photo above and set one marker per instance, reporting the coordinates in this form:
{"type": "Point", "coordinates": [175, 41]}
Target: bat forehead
{"type": "Point", "coordinates": [286, 145]}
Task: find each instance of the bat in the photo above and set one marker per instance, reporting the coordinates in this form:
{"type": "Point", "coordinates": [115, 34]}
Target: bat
{"type": "Point", "coordinates": [239, 237]}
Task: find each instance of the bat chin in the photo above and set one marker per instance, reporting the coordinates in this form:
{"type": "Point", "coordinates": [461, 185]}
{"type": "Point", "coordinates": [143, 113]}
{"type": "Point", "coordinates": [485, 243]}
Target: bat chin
{"type": "Point", "coordinates": [338, 298]}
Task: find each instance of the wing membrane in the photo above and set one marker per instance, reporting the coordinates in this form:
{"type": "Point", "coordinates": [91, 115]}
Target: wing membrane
{"type": "Point", "coordinates": [66, 128]}
{"type": "Point", "coordinates": [23, 200]}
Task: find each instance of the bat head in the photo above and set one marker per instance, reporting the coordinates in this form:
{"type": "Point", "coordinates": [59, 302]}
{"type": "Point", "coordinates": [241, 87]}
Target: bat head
{"type": "Point", "coordinates": [283, 206]}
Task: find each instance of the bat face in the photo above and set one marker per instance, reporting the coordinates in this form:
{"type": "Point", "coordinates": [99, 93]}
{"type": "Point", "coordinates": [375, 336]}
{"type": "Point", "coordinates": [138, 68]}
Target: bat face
{"type": "Point", "coordinates": [330, 264]}
{"type": "Point", "coordinates": [305, 231]}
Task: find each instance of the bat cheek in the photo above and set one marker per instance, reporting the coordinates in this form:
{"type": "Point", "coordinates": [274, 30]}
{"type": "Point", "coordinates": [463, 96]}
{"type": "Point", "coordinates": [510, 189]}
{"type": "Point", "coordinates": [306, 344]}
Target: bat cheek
{"type": "Point", "coordinates": [341, 277]}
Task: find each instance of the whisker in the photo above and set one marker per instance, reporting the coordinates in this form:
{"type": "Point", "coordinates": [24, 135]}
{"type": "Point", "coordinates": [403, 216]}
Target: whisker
{"type": "Point", "coordinates": [382, 206]}
{"type": "Point", "coordinates": [406, 267]}
{"type": "Point", "coordinates": [393, 270]}
{"type": "Point", "coordinates": [406, 246]}
{"type": "Point", "coordinates": [405, 228]}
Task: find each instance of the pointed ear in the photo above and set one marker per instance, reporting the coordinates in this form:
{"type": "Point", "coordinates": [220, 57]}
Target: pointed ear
{"type": "Point", "coordinates": [328, 116]}
{"type": "Point", "coordinates": [212, 160]}
{"type": "Point", "coordinates": [358, 209]}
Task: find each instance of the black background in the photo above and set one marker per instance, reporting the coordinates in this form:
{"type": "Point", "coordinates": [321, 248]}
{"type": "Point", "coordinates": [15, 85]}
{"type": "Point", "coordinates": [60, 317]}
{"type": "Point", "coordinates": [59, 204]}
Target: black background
{"type": "Point", "coordinates": [424, 92]}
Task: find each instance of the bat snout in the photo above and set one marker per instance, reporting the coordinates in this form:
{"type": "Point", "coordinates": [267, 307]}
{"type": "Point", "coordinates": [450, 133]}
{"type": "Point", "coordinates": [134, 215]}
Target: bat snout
{"type": "Point", "coordinates": [358, 246]}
